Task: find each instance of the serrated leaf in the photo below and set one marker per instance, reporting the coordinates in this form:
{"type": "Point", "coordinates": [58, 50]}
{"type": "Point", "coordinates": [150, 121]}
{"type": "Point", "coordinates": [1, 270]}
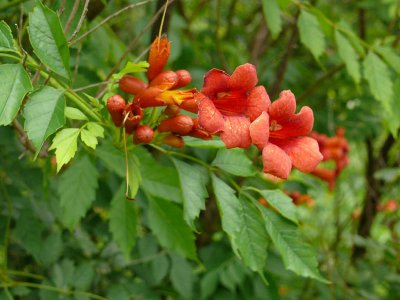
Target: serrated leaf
{"type": "Point", "coordinates": [88, 138]}
{"type": "Point", "coordinates": [48, 40]}
{"type": "Point", "coordinates": [194, 191]}
{"type": "Point", "coordinates": [6, 38]}
{"type": "Point", "coordinates": [44, 114]}
{"type": "Point", "coordinates": [74, 113]}
{"type": "Point", "coordinates": [96, 129]}
{"type": "Point", "coordinates": [377, 74]}
{"type": "Point", "coordinates": [113, 158]}
{"type": "Point", "coordinates": [132, 67]}
{"type": "Point", "coordinates": [234, 161]}
{"type": "Point", "coordinates": [14, 85]}
{"type": "Point", "coordinates": [297, 256]}
{"type": "Point", "coordinates": [311, 34]}
{"type": "Point", "coordinates": [123, 221]}
{"type": "Point", "coordinates": [349, 56]}
{"type": "Point", "coordinates": [272, 16]}
{"type": "Point", "coordinates": [281, 202]}
{"type": "Point", "coordinates": [77, 190]}
{"type": "Point", "coordinates": [167, 224]}
{"type": "Point", "coordinates": [390, 56]}
{"type": "Point", "coordinates": [182, 277]}
{"type": "Point", "coordinates": [65, 143]}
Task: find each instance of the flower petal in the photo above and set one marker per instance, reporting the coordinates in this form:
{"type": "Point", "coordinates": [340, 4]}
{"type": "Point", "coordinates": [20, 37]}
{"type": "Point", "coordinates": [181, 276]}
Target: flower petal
{"type": "Point", "coordinates": [259, 130]}
{"type": "Point", "coordinates": [257, 102]}
{"type": "Point", "coordinates": [210, 119]}
{"type": "Point", "coordinates": [297, 125]}
{"type": "Point", "coordinates": [236, 132]}
{"type": "Point", "coordinates": [243, 78]}
{"type": "Point", "coordinates": [303, 152]}
{"type": "Point", "coordinates": [283, 108]}
{"type": "Point", "coordinates": [215, 81]}
{"type": "Point", "coordinates": [276, 161]}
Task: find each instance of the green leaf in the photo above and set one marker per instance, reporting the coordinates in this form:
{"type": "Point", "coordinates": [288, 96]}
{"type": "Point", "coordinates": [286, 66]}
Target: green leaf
{"type": "Point", "coordinates": [377, 74]}
{"type": "Point", "coordinates": [349, 56]}
{"type": "Point", "coordinates": [65, 143]}
{"type": "Point", "coordinates": [48, 39]}
{"type": "Point", "coordinates": [113, 158]}
{"type": "Point", "coordinates": [311, 34]}
{"type": "Point", "coordinates": [281, 202]}
{"type": "Point", "coordinates": [6, 38]}
{"type": "Point", "coordinates": [134, 176]}
{"type": "Point", "coordinates": [272, 16]}
{"type": "Point", "coordinates": [96, 129]}
{"type": "Point", "coordinates": [123, 221]}
{"type": "Point", "coordinates": [234, 161]}
{"type": "Point", "coordinates": [44, 114]}
{"type": "Point", "coordinates": [297, 256]}
{"type": "Point", "coordinates": [199, 143]}
{"type": "Point", "coordinates": [77, 191]}
{"type": "Point", "coordinates": [390, 56]}
{"type": "Point", "coordinates": [74, 114]}
{"type": "Point", "coordinates": [182, 277]}
{"type": "Point", "coordinates": [167, 224]}
{"type": "Point", "coordinates": [88, 138]}
{"type": "Point", "coordinates": [14, 85]}
{"type": "Point", "coordinates": [193, 188]}
{"type": "Point", "coordinates": [132, 67]}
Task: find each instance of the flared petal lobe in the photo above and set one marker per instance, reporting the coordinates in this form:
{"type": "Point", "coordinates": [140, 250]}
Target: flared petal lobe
{"type": "Point", "coordinates": [283, 108]}
{"type": "Point", "coordinates": [276, 161]}
{"type": "Point", "coordinates": [236, 132]}
{"type": "Point", "coordinates": [215, 81]}
{"type": "Point", "coordinates": [303, 151]}
{"type": "Point", "coordinates": [257, 102]}
{"type": "Point", "coordinates": [209, 116]}
{"type": "Point", "coordinates": [299, 124]}
{"type": "Point", "coordinates": [243, 78]}
{"type": "Point", "coordinates": [259, 130]}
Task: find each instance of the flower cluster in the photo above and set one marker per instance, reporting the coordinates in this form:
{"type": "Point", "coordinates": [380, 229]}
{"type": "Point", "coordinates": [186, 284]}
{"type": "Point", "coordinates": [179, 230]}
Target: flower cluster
{"type": "Point", "coordinates": [334, 148]}
{"type": "Point", "coordinates": [232, 107]}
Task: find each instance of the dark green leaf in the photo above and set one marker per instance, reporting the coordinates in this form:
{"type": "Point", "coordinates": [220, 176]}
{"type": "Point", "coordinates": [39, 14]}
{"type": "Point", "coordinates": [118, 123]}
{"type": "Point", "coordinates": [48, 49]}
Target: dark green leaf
{"type": "Point", "coordinates": [14, 85]}
{"type": "Point", "coordinates": [77, 191]}
{"type": "Point", "coordinates": [311, 34]}
{"type": "Point", "coordinates": [48, 39]}
{"type": "Point", "coordinates": [272, 16]}
{"type": "Point", "coordinates": [193, 181]}
{"type": "Point", "coordinates": [182, 276]}
{"type": "Point", "coordinates": [168, 225]}
{"type": "Point", "coordinates": [234, 161]}
{"type": "Point", "coordinates": [44, 114]}
{"type": "Point", "coordinates": [123, 221]}
{"type": "Point", "coordinates": [281, 202]}
{"type": "Point", "coordinates": [160, 268]}
{"type": "Point", "coordinates": [349, 56]}
{"type": "Point", "coordinates": [209, 283]}
{"type": "Point", "coordinates": [6, 38]}
{"type": "Point", "coordinates": [113, 158]}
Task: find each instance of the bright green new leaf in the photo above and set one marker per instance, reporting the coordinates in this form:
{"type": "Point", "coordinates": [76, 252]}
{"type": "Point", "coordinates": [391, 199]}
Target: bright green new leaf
{"type": "Point", "coordinates": [48, 39]}
{"type": "Point", "coordinates": [65, 143]}
{"type": "Point", "coordinates": [132, 67]}
{"type": "Point", "coordinates": [44, 114]}
{"type": "Point", "coordinates": [6, 38]}
{"type": "Point", "coordinates": [182, 277]}
{"type": "Point", "coordinates": [96, 129]}
{"type": "Point", "coordinates": [272, 15]}
{"type": "Point", "coordinates": [376, 72]}
{"type": "Point", "coordinates": [74, 113]}
{"type": "Point", "coordinates": [311, 34]}
{"type": "Point", "coordinates": [14, 85]}
{"type": "Point", "coordinates": [88, 138]}
{"type": "Point", "coordinates": [390, 56]}
{"type": "Point", "coordinates": [167, 224]}
{"type": "Point", "coordinates": [281, 202]}
{"type": "Point", "coordinates": [349, 56]}
{"type": "Point", "coordinates": [297, 256]}
{"type": "Point", "coordinates": [193, 180]}
{"type": "Point", "coordinates": [77, 191]}
{"type": "Point", "coordinates": [123, 221]}
{"type": "Point", "coordinates": [234, 161]}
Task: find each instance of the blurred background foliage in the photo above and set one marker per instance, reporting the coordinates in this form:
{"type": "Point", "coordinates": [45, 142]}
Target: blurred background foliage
{"type": "Point", "coordinates": [339, 57]}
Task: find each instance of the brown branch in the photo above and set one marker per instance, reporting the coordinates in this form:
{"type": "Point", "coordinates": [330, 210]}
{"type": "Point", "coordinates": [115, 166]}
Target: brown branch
{"type": "Point", "coordinates": [23, 138]}
{"type": "Point", "coordinates": [259, 43]}
{"type": "Point", "coordinates": [82, 18]}
{"type": "Point", "coordinates": [362, 22]}
{"type": "Point", "coordinates": [71, 16]}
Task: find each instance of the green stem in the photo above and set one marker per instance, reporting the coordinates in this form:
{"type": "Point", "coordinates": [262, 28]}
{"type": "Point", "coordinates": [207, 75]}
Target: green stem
{"type": "Point", "coordinates": [8, 222]}
{"type": "Point", "coordinates": [23, 274]}
{"type": "Point", "coordinates": [10, 56]}
{"type": "Point", "coordinates": [10, 4]}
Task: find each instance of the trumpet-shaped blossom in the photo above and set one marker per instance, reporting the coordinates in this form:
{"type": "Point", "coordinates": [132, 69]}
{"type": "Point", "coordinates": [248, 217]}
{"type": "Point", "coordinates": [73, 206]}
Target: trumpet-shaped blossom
{"type": "Point", "coordinates": [285, 142]}
{"type": "Point", "coordinates": [228, 104]}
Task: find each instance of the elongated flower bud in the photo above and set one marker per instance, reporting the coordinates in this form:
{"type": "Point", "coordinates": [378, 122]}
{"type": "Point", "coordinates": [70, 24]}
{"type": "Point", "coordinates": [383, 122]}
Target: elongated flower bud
{"type": "Point", "coordinates": [172, 110]}
{"type": "Point", "coordinates": [158, 56]}
{"type": "Point", "coordinates": [174, 141]}
{"type": "Point", "coordinates": [181, 125]}
{"type": "Point", "coordinates": [116, 105]}
{"type": "Point", "coordinates": [199, 133]}
{"type": "Point", "coordinates": [131, 85]}
{"type": "Point", "coordinates": [135, 115]}
{"type": "Point", "coordinates": [143, 135]}
{"type": "Point", "coordinates": [190, 105]}
{"type": "Point", "coordinates": [184, 78]}
{"type": "Point", "coordinates": [165, 80]}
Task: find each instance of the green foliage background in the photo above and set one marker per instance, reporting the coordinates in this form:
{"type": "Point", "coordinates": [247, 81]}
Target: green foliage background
{"type": "Point", "coordinates": [195, 230]}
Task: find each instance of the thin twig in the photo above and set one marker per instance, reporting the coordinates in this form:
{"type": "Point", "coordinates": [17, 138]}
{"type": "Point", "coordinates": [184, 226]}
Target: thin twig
{"type": "Point", "coordinates": [71, 16]}
{"type": "Point", "coordinates": [23, 137]}
{"type": "Point", "coordinates": [82, 18]}
{"type": "Point", "coordinates": [108, 19]}
{"type": "Point", "coordinates": [90, 86]}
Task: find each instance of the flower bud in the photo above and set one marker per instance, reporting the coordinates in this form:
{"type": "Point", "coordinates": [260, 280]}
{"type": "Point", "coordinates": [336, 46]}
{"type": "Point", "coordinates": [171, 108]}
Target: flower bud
{"type": "Point", "coordinates": [158, 56]}
{"type": "Point", "coordinates": [172, 110]}
{"type": "Point", "coordinates": [143, 135]}
{"type": "Point", "coordinates": [199, 133]}
{"type": "Point", "coordinates": [190, 105]}
{"type": "Point", "coordinates": [174, 141]}
{"type": "Point", "coordinates": [135, 115]}
{"type": "Point", "coordinates": [116, 105]}
{"type": "Point", "coordinates": [131, 85]}
{"type": "Point", "coordinates": [184, 78]}
{"type": "Point", "coordinates": [165, 80]}
{"type": "Point", "coordinates": [181, 125]}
